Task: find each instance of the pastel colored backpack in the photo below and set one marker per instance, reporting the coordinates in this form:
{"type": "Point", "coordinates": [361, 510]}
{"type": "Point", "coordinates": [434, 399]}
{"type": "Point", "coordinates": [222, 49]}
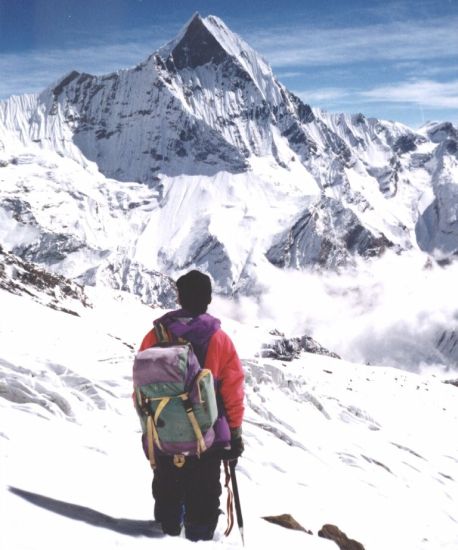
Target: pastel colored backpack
{"type": "Point", "coordinates": [174, 398]}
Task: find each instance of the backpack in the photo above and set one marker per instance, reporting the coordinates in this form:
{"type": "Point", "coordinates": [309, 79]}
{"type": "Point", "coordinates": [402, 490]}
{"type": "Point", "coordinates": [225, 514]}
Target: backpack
{"type": "Point", "coordinates": [174, 398]}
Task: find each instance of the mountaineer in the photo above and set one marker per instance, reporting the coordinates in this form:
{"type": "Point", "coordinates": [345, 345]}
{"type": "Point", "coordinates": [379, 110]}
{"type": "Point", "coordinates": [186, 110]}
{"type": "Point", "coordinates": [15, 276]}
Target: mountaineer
{"type": "Point", "coordinates": [186, 479]}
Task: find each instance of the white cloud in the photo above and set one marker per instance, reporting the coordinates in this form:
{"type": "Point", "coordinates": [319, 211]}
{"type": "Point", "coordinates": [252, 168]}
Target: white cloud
{"type": "Point", "coordinates": [389, 311]}
{"type": "Point", "coordinates": [289, 74]}
{"type": "Point", "coordinates": [423, 93]}
{"type": "Point", "coordinates": [394, 42]}
{"type": "Point", "coordinates": [426, 93]}
{"type": "Point", "coordinates": [328, 95]}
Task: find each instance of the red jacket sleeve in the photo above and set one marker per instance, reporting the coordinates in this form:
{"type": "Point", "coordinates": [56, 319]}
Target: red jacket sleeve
{"type": "Point", "coordinates": [148, 341]}
{"type": "Point", "coordinates": [223, 361]}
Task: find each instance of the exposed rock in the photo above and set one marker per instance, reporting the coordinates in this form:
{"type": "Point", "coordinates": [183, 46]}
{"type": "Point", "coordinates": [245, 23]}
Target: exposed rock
{"type": "Point", "coordinates": [332, 532]}
{"type": "Point", "coordinates": [447, 344]}
{"type": "Point", "coordinates": [286, 520]}
{"type": "Point", "coordinates": [208, 254]}
{"type": "Point", "coordinates": [24, 278]}
{"type": "Point", "coordinates": [328, 531]}
{"type": "Point", "coordinates": [442, 131]}
{"type": "Point", "coordinates": [437, 227]}
{"type": "Point", "coordinates": [405, 144]}
{"type": "Point", "coordinates": [65, 82]}
{"type": "Point", "coordinates": [197, 47]}
{"type": "Point", "coordinates": [287, 349]}
{"type": "Point", "coordinates": [152, 287]}
{"type": "Point", "coordinates": [326, 234]}
{"type": "Point", "coordinates": [452, 382]}
{"type": "Point", "coordinates": [50, 248]}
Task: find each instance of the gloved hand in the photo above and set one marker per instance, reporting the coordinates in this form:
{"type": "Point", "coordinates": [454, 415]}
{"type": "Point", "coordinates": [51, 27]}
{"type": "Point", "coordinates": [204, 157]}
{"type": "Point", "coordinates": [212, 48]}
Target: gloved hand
{"type": "Point", "coordinates": [237, 446]}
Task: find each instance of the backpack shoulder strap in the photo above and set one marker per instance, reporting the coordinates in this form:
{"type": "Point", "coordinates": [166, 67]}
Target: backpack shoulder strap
{"type": "Point", "coordinates": [165, 336]}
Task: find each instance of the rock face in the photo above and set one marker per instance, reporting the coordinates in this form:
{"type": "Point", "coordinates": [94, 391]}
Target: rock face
{"type": "Point", "coordinates": [447, 345]}
{"type": "Point", "coordinates": [437, 226]}
{"type": "Point", "coordinates": [328, 531]}
{"type": "Point", "coordinates": [332, 532]}
{"type": "Point", "coordinates": [287, 349]}
{"type": "Point", "coordinates": [154, 288]}
{"type": "Point", "coordinates": [197, 47]}
{"type": "Point", "coordinates": [326, 234]}
{"type": "Point", "coordinates": [287, 520]}
{"type": "Point", "coordinates": [232, 170]}
{"type": "Point", "coordinates": [27, 279]}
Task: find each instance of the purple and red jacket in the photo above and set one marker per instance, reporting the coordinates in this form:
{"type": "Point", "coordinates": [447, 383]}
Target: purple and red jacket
{"type": "Point", "coordinates": [216, 352]}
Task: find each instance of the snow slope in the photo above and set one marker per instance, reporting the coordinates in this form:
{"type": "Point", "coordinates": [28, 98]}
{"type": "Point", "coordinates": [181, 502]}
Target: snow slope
{"type": "Point", "coordinates": [370, 449]}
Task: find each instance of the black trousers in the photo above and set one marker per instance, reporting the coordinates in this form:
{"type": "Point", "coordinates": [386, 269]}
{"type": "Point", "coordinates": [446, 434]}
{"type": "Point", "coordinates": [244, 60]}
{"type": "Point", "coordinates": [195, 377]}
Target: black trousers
{"type": "Point", "coordinates": [189, 494]}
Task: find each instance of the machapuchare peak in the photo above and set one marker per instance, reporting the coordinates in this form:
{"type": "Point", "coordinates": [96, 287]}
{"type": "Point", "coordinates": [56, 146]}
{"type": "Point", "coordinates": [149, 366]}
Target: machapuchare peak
{"type": "Point", "coordinates": [206, 40]}
{"type": "Point", "coordinates": [198, 46]}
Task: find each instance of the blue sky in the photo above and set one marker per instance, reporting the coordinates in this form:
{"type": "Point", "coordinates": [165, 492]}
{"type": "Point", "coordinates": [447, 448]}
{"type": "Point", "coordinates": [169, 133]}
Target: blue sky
{"type": "Point", "coordinates": [389, 59]}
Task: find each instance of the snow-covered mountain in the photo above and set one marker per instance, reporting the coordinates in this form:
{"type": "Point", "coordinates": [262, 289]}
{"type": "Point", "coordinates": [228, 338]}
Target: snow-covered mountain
{"type": "Point", "coordinates": [232, 170]}
{"type": "Point", "coordinates": [199, 157]}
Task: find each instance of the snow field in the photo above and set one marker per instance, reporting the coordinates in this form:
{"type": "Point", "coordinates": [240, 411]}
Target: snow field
{"type": "Point", "coordinates": [370, 449]}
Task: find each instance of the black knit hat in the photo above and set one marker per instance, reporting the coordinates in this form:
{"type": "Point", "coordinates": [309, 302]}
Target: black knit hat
{"type": "Point", "coordinates": [194, 292]}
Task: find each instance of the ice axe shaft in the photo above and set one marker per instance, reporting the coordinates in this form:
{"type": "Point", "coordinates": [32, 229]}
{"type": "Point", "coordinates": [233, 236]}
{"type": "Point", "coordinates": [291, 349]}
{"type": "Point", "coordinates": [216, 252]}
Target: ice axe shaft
{"type": "Point", "coordinates": [235, 489]}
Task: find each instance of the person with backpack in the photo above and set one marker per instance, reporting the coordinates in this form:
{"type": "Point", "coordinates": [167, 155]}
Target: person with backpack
{"type": "Point", "coordinates": [186, 486]}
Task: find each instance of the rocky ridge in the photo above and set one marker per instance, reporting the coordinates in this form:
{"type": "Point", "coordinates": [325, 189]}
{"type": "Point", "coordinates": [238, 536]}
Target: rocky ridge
{"type": "Point", "coordinates": [27, 279]}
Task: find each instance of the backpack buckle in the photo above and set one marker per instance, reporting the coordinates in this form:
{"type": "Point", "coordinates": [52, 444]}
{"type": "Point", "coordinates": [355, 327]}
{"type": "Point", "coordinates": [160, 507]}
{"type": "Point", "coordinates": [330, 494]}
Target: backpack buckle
{"type": "Point", "coordinates": [179, 460]}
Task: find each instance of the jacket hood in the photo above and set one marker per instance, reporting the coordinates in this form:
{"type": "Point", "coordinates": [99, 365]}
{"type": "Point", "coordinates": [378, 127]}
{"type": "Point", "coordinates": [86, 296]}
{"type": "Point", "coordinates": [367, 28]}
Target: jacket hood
{"type": "Point", "coordinates": [198, 330]}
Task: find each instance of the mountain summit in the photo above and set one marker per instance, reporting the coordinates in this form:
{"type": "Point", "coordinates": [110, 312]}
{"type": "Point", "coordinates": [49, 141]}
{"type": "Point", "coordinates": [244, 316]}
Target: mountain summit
{"type": "Point", "coordinates": [209, 40]}
{"type": "Point", "coordinates": [196, 46]}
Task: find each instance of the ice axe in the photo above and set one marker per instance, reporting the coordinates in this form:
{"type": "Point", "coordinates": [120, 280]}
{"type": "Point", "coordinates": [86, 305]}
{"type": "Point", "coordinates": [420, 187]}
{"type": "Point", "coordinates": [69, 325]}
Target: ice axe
{"type": "Point", "coordinates": [235, 489]}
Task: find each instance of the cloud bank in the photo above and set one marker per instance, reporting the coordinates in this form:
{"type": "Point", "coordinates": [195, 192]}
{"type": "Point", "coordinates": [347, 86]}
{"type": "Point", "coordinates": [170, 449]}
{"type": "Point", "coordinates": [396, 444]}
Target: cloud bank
{"type": "Point", "coordinates": [391, 311]}
{"type": "Point", "coordinates": [311, 46]}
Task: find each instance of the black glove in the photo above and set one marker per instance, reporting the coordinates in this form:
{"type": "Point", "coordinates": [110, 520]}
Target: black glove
{"type": "Point", "coordinates": [237, 446]}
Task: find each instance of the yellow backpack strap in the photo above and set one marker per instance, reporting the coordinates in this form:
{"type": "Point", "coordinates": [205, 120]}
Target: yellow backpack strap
{"type": "Point", "coordinates": [201, 447]}
{"type": "Point", "coordinates": [162, 334]}
{"type": "Point", "coordinates": [202, 374]}
{"type": "Point", "coordinates": [162, 404]}
{"type": "Point", "coordinates": [165, 336]}
{"type": "Point", "coordinates": [150, 428]}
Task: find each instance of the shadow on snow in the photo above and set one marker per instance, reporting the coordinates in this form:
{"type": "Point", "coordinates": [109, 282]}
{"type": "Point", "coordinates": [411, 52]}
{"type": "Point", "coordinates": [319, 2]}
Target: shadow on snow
{"type": "Point", "coordinates": [131, 527]}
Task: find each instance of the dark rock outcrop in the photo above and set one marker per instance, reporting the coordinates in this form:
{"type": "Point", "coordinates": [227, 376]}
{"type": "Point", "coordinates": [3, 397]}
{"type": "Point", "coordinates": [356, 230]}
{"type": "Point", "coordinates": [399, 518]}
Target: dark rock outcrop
{"type": "Point", "coordinates": [447, 344]}
{"type": "Point", "coordinates": [332, 532]}
{"type": "Point", "coordinates": [25, 278]}
{"type": "Point", "coordinates": [287, 349]}
{"type": "Point", "coordinates": [326, 234]}
{"type": "Point", "coordinates": [197, 47]}
{"type": "Point", "coordinates": [287, 521]}
{"type": "Point", "coordinates": [328, 531]}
